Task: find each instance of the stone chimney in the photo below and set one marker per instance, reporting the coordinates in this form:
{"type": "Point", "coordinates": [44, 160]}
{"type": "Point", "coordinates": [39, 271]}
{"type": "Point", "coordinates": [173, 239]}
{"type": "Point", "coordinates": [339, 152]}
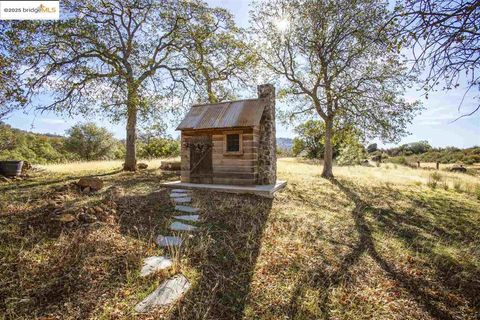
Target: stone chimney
{"type": "Point", "coordinates": [267, 149]}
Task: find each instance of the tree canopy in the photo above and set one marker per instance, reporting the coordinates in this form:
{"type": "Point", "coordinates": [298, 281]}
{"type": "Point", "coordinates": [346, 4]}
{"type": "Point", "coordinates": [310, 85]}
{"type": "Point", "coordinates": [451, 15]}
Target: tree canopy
{"type": "Point", "coordinates": [445, 37]}
{"type": "Point", "coordinates": [91, 142]}
{"type": "Point", "coordinates": [337, 61]}
{"type": "Point", "coordinates": [119, 58]}
{"type": "Point", "coordinates": [219, 61]}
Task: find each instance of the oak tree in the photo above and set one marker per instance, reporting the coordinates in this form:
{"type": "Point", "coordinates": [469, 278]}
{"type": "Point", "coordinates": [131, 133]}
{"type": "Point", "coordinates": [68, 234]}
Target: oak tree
{"type": "Point", "coordinates": [336, 60]}
{"type": "Point", "coordinates": [219, 61]}
{"type": "Point", "coordinates": [116, 57]}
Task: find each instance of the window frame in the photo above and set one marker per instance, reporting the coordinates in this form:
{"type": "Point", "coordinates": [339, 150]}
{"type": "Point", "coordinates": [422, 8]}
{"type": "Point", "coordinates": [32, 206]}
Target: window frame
{"type": "Point", "coordinates": [240, 142]}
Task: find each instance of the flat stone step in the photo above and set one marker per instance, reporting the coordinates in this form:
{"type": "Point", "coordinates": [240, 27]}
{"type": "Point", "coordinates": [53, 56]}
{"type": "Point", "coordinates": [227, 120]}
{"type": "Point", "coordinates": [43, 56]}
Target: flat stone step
{"type": "Point", "coordinates": [177, 195]}
{"type": "Point", "coordinates": [180, 191]}
{"type": "Point", "coordinates": [183, 200]}
{"type": "Point", "coordinates": [168, 241]}
{"type": "Point", "coordinates": [168, 292]}
{"type": "Point", "coordinates": [186, 209]}
{"type": "Point", "coordinates": [179, 226]}
{"type": "Point", "coordinates": [191, 217]}
{"type": "Point", "coordinates": [154, 264]}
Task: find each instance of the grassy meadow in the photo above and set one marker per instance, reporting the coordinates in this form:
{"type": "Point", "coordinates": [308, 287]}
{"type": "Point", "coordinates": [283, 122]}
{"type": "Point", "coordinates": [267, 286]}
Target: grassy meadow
{"type": "Point", "coordinates": [388, 242]}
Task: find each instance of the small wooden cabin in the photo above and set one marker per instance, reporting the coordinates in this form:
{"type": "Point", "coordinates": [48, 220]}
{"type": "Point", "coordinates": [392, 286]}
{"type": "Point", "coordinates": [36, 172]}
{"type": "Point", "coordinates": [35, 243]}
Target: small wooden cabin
{"type": "Point", "coordinates": [230, 142]}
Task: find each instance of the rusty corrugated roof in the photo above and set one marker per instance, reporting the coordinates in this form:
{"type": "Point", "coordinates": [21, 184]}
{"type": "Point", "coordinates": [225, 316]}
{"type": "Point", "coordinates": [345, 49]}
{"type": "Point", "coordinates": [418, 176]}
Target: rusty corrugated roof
{"type": "Point", "coordinates": [242, 113]}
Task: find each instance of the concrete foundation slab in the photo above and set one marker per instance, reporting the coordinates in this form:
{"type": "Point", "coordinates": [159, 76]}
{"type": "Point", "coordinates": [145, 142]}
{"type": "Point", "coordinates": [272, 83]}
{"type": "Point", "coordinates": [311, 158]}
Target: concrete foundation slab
{"type": "Point", "coordinates": [260, 190]}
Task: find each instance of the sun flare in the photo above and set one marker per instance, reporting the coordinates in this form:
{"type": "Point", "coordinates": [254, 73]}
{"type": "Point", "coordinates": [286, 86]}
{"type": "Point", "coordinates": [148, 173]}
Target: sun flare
{"type": "Point", "coordinates": [282, 24]}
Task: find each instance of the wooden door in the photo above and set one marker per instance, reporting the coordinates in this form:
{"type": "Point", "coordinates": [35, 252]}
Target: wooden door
{"type": "Point", "coordinates": [201, 170]}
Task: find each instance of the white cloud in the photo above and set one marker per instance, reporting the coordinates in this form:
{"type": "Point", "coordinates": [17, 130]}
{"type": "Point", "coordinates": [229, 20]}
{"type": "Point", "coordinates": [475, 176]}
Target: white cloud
{"type": "Point", "coordinates": [52, 121]}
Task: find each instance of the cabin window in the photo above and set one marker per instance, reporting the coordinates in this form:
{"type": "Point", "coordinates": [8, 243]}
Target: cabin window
{"type": "Point", "coordinates": [233, 143]}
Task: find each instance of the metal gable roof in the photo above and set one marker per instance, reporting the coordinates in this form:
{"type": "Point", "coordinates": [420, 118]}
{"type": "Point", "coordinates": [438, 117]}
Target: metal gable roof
{"type": "Point", "coordinates": [242, 113]}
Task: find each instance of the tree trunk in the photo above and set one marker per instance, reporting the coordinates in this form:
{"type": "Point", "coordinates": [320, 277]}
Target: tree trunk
{"type": "Point", "coordinates": [211, 96]}
{"type": "Point", "coordinates": [131, 155]}
{"type": "Point", "coordinates": [328, 153]}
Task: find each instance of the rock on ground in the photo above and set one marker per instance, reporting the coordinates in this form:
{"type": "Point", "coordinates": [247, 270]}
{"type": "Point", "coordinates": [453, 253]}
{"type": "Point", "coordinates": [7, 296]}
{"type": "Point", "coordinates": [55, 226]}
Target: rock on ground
{"type": "Point", "coordinates": [169, 291]}
{"type": "Point", "coordinates": [142, 166]}
{"type": "Point", "coordinates": [65, 218]}
{"type": "Point", "coordinates": [92, 183]}
{"type": "Point", "coordinates": [154, 264]}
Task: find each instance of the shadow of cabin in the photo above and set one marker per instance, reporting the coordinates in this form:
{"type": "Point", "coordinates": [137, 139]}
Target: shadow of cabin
{"type": "Point", "coordinates": [224, 253]}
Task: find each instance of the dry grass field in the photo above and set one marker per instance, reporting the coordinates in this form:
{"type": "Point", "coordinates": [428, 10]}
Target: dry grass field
{"type": "Point", "coordinates": [385, 242]}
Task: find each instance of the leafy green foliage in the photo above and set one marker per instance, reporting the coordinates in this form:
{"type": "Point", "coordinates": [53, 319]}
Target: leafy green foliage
{"type": "Point", "coordinates": [310, 140]}
{"type": "Point", "coordinates": [351, 154]}
{"type": "Point", "coordinates": [218, 58]}
{"type": "Point", "coordinates": [158, 148]}
{"type": "Point", "coordinates": [40, 149]}
{"type": "Point", "coordinates": [338, 60]}
{"type": "Point", "coordinates": [410, 148]}
{"type": "Point", "coordinates": [91, 142]}
{"type": "Point", "coordinates": [423, 152]}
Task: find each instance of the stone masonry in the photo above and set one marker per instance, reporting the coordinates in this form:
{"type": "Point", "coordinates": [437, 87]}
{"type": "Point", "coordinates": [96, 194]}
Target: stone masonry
{"type": "Point", "coordinates": [267, 156]}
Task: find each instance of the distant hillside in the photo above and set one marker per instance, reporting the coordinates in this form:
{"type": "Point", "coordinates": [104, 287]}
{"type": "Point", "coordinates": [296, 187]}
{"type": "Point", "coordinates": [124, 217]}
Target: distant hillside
{"type": "Point", "coordinates": [284, 143]}
{"type": "Point", "coordinates": [34, 147]}
{"type": "Point", "coordinates": [423, 152]}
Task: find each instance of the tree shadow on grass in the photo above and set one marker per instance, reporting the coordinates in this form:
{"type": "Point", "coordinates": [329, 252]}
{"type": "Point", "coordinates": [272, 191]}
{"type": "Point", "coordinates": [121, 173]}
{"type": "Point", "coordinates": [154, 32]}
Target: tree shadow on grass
{"type": "Point", "coordinates": [224, 254]}
{"type": "Point", "coordinates": [27, 184]}
{"type": "Point", "coordinates": [54, 270]}
{"type": "Point", "coordinates": [59, 269]}
{"type": "Point", "coordinates": [324, 281]}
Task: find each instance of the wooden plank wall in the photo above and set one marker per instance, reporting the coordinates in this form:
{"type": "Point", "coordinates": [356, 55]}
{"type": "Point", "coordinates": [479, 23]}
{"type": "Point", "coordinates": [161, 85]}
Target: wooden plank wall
{"type": "Point", "coordinates": [227, 169]}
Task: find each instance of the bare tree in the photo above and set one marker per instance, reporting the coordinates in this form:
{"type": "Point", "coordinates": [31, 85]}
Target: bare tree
{"type": "Point", "coordinates": [117, 57]}
{"type": "Point", "coordinates": [219, 61]}
{"type": "Point", "coordinates": [445, 37]}
{"type": "Point", "coordinates": [336, 60]}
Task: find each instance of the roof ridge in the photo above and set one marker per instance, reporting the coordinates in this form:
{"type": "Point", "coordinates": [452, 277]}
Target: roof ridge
{"type": "Point", "coordinates": [224, 102]}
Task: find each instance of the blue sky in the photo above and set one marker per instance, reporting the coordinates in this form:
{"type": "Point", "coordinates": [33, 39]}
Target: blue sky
{"type": "Point", "coordinates": [436, 124]}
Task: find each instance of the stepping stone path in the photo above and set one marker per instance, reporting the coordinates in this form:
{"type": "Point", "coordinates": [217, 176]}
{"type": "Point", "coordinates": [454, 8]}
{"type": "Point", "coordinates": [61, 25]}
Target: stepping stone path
{"type": "Point", "coordinates": [172, 289]}
{"type": "Point", "coordinates": [178, 195]}
{"type": "Point", "coordinates": [186, 209]}
{"type": "Point", "coordinates": [183, 200]}
{"type": "Point", "coordinates": [154, 264]}
{"type": "Point", "coordinates": [169, 291]}
{"type": "Point", "coordinates": [168, 241]}
{"type": "Point", "coordinates": [179, 226]}
{"type": "Point", "coordinates": [180, 191]}
{"type": "Point", "coordinates": [191, 217]}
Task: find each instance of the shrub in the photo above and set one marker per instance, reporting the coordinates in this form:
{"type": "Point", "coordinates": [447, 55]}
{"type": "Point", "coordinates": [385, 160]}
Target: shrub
{"type": "Point", "coordinates": [158, 148]}
{"type": "Point", "coordinates": [432, 183]}
{"type": "Point", "coordinates": [90, 142]}
{"type": "Point", "coordinates": [436, 176]}
{"type": "Point", "coordinates": [445, 185]}
{"type": "Point", "coordinates": [398, 160]}
{"type": "Point", "coordinates": [457, 186]}
{"type": "Point", "coordinates": [351, 154]}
